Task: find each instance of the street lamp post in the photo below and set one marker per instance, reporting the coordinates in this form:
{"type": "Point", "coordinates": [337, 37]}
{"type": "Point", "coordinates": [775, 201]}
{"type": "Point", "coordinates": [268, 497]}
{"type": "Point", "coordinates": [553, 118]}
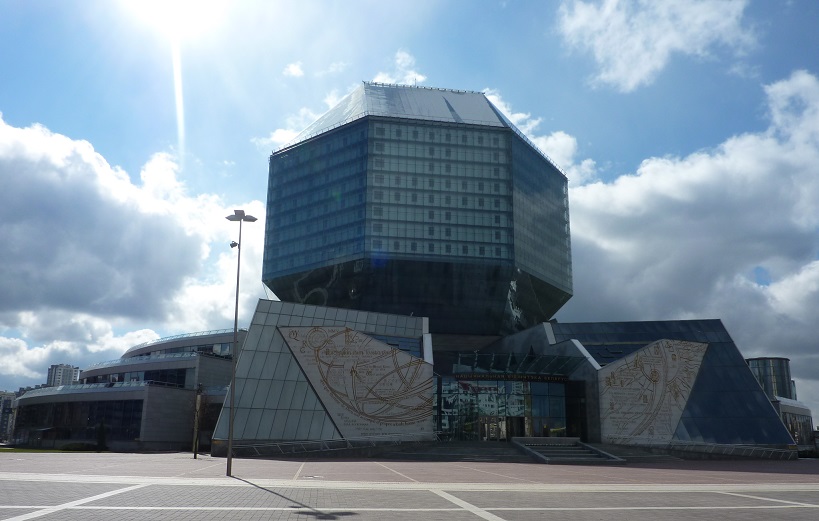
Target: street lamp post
{"type": "Point", "coordinates": [238, 215]}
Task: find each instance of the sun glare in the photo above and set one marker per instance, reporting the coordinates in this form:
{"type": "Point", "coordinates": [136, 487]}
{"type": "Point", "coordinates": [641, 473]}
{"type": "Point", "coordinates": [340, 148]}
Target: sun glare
{"type": "Point", "coordinates": [178, 20]}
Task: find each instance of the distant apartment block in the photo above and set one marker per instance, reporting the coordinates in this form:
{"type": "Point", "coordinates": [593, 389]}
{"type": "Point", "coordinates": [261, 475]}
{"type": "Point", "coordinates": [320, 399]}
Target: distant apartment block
{"type": "Point", "coordinates": [62, 374]}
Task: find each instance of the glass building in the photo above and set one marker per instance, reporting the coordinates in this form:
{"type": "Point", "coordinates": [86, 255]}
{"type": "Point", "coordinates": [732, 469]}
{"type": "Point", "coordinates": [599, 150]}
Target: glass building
{"type": "Point", "coordinates": [419, 201]}
{"type": "Point", "coordinates": [774, 375]}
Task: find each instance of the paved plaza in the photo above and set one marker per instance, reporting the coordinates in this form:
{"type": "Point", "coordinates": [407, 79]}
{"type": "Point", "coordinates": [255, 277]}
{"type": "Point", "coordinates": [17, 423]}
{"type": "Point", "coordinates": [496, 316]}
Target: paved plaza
{"type": "Point", "coordinates": [91, 486]}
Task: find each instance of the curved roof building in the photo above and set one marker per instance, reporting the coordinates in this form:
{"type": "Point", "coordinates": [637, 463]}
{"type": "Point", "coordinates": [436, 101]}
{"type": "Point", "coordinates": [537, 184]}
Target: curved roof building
{"type": "Point", "coordinates": [144, 399]}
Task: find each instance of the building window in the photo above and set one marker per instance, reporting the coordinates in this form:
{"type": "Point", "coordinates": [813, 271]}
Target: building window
{"type": "Point", "coordinates": [378, 195]}
{"type": "Point", "coordinates": [480, 187]}
{"type": "Point", "coordinates": [378, 227]}
{"type": "Point", "coordinates": [463, 139]}
{"type": "Point", "coordinates": [397, 196]}
{"type": "Point", "coordinates": [414, 246]}
{"type": "Point", "coordinates": [432, 136]}
{"type": "Point", "coordinates": [414, 134]}
{"type": "Point", "coordinates": [480, 140]}
{"type": "Point", "coordinates": [464, 249]}
{"type": "Point", "coordinates": [495, 187]}
{"type": "Point", "coordinates": [398, 132]}
{"type": "Point", "coordinates": [378, 211]}
{"type": "Point", "coordinates": [448, 199]}
{"type": "Point", "coordinates": [496, 171]}
{"type": "Point", "coordinates": [448, 152]}
{"type": "Point", "coordinates": [497, 251]}
{"type": "Point", "coordinates": [497, 235]}
{"type": "Point", "coordinates": [430, 198]}
{"type": "Point", "coordinates": [463, 185]}
{"type": "Point", "coordinates": [414, 181]}
{"type": "Point", "coordinates": [379, 179]}
{"type": "Point", "coordinates": [379, 162]}
{"type": "Point", "coordinates": [377, 244]}
{"type": "Point", "coordinates": [497, 219]}
{"type": "Point", "coordinates": [448, 232]}
{"type": "Point", "coordinates": [496, 203]}
{"type": "Point", "coordinates": [463, 201]}
{"type": "Point", "coordinates": [496, 156]}
{"type": "Point", "coordinates": [431, 231]}
{"type": "Point", "coordinates": [431, 247]}
{"type": "Point", "coordinates": [481, 250]}
{"type": "Point", "coordinates": [480, 202]}
{"type": "Point", "coordinates": [449, 248]}
{"type": "Point", "coordinates": [495, 140]}
{"type": "Point", "coordinates": [379, 131]}
{"type": "Point", "coordinates": [414, 198]}
{"type": "Point", "coordinates": [431, 181]}
{"type": "Point", "coordinates": [379, 146]}
{"type": "Point", "coordinates": [430, 167]}
{"type": "Point", "coordinates": [448, 169]}
{"type": "Point", "coordinates": [397, 246]}
{"type": "Point", "coordinates": [448, 137]}
{"type": "Point", "coordinates": [448, 216]}
{"type": "Point", "coordinates": [431, 215]}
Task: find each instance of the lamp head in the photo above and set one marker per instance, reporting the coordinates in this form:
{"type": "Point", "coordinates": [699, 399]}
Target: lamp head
{"type": "Point", "coordinates": [233, 244]}
{"type": "Point", "coordinates": [239, 215]}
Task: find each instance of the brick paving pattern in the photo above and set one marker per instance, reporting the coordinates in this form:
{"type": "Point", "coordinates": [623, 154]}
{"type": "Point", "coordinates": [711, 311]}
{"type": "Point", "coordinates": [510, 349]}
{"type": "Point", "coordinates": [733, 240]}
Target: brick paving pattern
{"type": "Point", "coordinates": [89, 487]}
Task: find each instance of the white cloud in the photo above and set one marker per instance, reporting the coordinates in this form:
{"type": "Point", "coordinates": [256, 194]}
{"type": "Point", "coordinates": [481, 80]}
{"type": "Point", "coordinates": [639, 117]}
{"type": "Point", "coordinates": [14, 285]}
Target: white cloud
{"type": "Point", "coordinates": [404, 71]}
{"type": "Point", "coordinates": [682, 237]}
{"type": "Point", "coordinates": [295, 123]}
{"type": "Point", "coordinates": [294, 70]}
{"type": "Point", "coordinates": [334, 68]}
{"type": "Point", "coordinates": [633, 40]}
{"type": "Point", "coordinates": [559, 146]}
{"type": "Point", "coordinates": [94, 264]}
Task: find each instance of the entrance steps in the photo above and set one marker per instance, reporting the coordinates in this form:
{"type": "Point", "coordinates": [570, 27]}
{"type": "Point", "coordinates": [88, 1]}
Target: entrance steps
{"type": "Point", "coordinates": [565, 451]}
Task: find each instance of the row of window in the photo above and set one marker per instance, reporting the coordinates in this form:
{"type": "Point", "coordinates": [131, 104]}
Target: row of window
{"type": "Point", "coordinates": [432, 183]}
{"type": "Point", "coordinates": [471, 234]}
{"type": "Point", "coordinates": [462, 201]}
{"type": "Point", "coordinates": [411, 214]}
{"type": "Point", "coordinates": [438, 247]}
{"type": "Point", "coordinates": [438, 135]}
{"type": "Point", "coordinates": [468, 170]}
{"type": "Point", "coordinates": [472, 155]}
{"type": "Point", "coordinates": [311, 219]}
{"type": "Point", "coordinates": [415, 198]}
{"type": "Point", "coordinates": [307, 260]}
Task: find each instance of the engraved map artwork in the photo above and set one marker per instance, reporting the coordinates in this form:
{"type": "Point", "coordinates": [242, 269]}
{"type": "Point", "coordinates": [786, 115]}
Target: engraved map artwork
{"type": "Point", "coordinates": [642, 396]}
{"type": "Point", "coordinates": [367, 387]}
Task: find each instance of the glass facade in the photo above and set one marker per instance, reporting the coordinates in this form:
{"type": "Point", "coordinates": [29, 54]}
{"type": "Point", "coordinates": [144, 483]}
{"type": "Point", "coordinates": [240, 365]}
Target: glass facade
{"type": "Point", "coordinates": [274, 400]}
{"type": "Point", "coordinates": [179, 377]}
{"type": "Point", "coordinates": [315, 204]}
{"type": "Point", "coordinates": [610, 341]}
{"type": "Point", "coordinates": [419, 201]}
{"type": "Point", "coordinates": [774, 375]}
{"type": "Point", "coordinates": [725, 405]}
{"type": "Point", "coordinates": [499, 409]}
{"type": "Point", "coordinates": [80, 420]}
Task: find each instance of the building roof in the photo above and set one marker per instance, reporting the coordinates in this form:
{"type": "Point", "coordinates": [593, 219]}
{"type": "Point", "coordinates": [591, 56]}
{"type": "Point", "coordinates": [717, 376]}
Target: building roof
{"type": "Point", "coordinates": [610, 341]}
{"type": "Point", "coordinates": [411, 102]}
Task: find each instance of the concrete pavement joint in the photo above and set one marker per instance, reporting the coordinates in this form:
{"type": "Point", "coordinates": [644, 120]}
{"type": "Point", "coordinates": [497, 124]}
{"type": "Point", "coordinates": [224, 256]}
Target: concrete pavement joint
{"type": "Point", "coordinates": [483, 514]}
{"type": "Point", "coordinates": [56, 508]}
{"type": "Point", "coordinates": [395, 471]}
{"type": "Point", "coordinates": [455, 486]}
{"type": "Point", "coordinates": [797, 503]}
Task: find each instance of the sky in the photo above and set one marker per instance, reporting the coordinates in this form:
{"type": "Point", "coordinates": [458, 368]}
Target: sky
{"type": "Point", "coordinates": [689, 132]}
